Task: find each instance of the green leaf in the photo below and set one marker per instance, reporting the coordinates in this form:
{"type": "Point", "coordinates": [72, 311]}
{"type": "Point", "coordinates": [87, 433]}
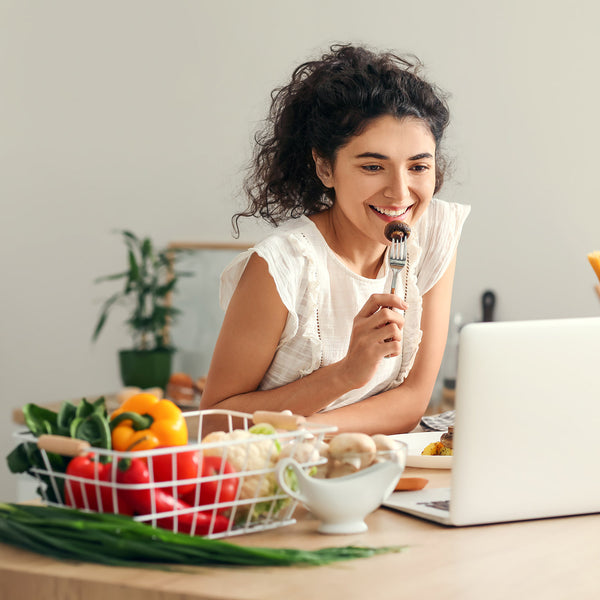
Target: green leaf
{"type": "Point", "coordinates": [132, 237]}
{"type": "Point", "coordinates": [66, 414]}
{"type": "Point", "coordinates": [100, 406]}
{"type": "Point", "coordinates": [84, 409]}
{"type": "Point", "coordinates": [134, 270]}
{"type": "Point", "coordinates": [27, 456]}
{"type": "Point", "coordinates": [18, 459]}
{"type": "Point", "coordinates": [163, 290]}
{"type": "Point", "coordinates": [147, 248]}
{"type": "Point", "coordinates": [111, 277]}
{"type": "Point", "coordinates": [40, 420]}
{"type": "Point", "coordinates": [104, 314]}
{"type": "Point", "coordinates": [93, 429]}
{"type": "Point", "coordinates": [165, 259]}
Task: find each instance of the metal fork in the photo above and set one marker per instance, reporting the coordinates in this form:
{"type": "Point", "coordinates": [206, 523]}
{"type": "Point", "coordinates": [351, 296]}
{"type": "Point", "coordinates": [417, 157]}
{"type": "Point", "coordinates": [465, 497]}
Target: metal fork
{"type": "Point", "coordinates": [397, 259]}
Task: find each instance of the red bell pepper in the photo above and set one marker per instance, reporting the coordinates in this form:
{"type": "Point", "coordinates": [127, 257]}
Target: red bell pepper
{"type": "Point", "coordinates": [188, 465]}
{"type": "Point", "coordinates": [98, 495]}
{"type": "Point", "coordinates": [151, 500]}
{"type": "Point", "coordinates": [223, 489]}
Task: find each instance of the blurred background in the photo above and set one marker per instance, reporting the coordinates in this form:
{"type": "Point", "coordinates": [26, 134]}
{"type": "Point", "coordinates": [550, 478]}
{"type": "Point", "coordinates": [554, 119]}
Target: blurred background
{"type": "Point", "coordinates": [139, 114]}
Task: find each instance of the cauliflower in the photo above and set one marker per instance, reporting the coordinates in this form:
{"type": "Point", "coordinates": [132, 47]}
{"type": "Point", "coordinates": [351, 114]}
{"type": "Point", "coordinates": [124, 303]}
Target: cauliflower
{"type": "Point", "coordinates": [246, 451]}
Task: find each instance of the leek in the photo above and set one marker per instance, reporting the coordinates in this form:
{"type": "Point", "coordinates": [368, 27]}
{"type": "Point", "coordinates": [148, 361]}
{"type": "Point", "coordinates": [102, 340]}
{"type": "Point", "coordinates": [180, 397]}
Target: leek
{"type": "Point", "coordinates": [117, 540]}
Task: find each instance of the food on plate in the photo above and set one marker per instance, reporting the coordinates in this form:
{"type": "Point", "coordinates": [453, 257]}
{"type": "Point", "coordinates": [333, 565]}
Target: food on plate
{"type": "Point", "coordinates": [447, 437]}
{"type": "Point", "coordinates": [436, 449]}
{"type": "Point", "coordinates": [594, 258]}
{"type": "Point", "coordinates": [441, 448]}
{"type": "Point", "coordinates": [396, 230]}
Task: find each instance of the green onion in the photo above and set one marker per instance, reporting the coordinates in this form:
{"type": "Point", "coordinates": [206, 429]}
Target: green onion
{"type": "Point", "coordinates": [117, 540]}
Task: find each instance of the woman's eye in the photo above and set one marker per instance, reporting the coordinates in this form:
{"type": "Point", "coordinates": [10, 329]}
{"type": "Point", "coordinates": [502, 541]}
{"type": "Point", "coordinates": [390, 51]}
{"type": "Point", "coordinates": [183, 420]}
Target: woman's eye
{"type": "Point", "coordinates": [372, 168]}
{"type": "Point", "coordinates": [420, 168]}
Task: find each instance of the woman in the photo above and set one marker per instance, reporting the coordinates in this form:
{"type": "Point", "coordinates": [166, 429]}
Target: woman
{"type": "Point", "coordinates": [352, 143]}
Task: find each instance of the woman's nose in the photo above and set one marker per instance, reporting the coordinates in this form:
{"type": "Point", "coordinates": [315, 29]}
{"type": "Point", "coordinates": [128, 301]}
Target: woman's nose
{"type": "Point", "coordinates": [397, 187]}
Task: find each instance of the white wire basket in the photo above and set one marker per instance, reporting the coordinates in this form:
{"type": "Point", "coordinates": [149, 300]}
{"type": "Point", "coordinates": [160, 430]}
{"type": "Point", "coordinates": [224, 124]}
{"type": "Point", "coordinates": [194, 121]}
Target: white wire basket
{"type": "Point", "coordinates": [224, 502]}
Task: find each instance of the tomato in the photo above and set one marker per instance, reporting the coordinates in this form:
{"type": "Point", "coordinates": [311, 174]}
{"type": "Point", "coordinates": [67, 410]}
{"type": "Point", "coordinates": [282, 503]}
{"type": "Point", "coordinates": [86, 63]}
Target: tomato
{"type": "Point", "coordinates": [187, 466]}
{"type": "Point", "coordinates": [220, 489]}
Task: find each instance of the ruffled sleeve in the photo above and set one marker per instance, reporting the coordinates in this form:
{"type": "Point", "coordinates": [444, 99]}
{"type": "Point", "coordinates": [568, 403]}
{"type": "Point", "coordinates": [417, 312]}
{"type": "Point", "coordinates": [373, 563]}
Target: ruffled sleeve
{"type": "Point", "coordinates": [439, 231]}
{"type": "Point", "coordinates": [292, 264]}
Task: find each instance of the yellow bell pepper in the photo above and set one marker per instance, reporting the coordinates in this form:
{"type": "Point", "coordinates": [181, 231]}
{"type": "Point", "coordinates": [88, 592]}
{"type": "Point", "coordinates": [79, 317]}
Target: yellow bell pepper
{"type": "Point", "coordinates": [144, 422]}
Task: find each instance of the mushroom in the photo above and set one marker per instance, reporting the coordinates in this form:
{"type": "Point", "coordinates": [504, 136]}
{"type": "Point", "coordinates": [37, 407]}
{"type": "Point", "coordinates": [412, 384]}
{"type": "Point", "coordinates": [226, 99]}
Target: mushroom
{"type": "Point", "coordinates": [447, 438]}
{"type": "Point", "coordinates": [340, 469]}
{"type": "Point", "coordinates": [384, 442]}
{"type": "Point", "coordinates": [356, 449]}
{"type": "Point", "coordinates": [387, 449]}
{"type": "Point", "coordinates": [396, 230]}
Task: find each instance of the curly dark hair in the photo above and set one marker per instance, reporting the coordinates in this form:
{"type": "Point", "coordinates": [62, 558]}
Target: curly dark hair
{"type": "Point", "coordinates": [327, 102]}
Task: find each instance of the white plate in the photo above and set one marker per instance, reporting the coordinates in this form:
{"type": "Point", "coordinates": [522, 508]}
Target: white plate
{"type": "Point", "coordinates": [416, 442]}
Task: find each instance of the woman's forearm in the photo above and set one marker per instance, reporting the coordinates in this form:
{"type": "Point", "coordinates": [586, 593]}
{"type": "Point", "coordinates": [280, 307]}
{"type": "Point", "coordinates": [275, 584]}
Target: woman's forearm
{"type": "Point", "coordinates": [395, 411]}
{"type": "Point", "coordinates": [399, 410]}
{"type": "Point", "coordinates": [305, 396]}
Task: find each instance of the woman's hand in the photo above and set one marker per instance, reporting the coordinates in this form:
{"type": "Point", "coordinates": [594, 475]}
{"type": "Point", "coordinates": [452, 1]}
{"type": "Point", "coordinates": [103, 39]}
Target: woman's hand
{"type": "Point", "coordinates": [376, 333]}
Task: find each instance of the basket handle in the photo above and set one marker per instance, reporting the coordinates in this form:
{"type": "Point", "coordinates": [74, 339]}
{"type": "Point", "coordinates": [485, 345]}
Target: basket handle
{"type": "Point", "coordinates": [279, 420]}
{"type": "Point", "coordinates": [61, 444]}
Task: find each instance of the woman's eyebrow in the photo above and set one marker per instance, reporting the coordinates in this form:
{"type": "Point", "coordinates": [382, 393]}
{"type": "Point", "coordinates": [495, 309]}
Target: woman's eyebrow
{"type": "Point", "coordinates": [373, 155]}
{"type": "Point", "coordinates": [384, 157]}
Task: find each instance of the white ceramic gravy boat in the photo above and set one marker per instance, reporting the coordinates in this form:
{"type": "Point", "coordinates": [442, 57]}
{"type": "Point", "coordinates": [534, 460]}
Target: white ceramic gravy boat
{"type": "Point", "coordinates": [342, 503]}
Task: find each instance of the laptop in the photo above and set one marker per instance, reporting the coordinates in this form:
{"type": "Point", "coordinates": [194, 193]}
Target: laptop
{"type": "Point", "coordinates": [527, 426]}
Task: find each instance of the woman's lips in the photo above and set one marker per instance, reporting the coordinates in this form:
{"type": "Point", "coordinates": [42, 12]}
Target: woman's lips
{"type": "Point", "coordinates": [391, 214]}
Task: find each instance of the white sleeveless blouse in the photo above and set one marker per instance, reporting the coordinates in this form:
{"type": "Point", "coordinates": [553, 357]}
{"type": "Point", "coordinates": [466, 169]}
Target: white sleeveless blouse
{"type": "Point", "coordinates": [322, 295]}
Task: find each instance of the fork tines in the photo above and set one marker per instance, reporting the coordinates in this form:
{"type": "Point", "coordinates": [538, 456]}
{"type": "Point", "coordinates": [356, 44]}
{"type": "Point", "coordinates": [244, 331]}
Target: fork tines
{"type": "Point", "coordinates": [398, 253]}
{"type": "Point", "coordinates": [397, 259]}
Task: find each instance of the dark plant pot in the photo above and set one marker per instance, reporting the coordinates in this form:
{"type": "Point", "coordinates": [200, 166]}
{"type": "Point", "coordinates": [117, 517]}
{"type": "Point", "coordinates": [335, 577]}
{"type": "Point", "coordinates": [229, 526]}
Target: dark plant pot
{"type": "Point", "coordinates": [145, 368]}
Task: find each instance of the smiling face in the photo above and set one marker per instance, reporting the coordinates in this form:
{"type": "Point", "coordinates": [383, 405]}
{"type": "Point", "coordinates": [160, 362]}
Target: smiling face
{"type": "Point", "coordinates": [384, 174]}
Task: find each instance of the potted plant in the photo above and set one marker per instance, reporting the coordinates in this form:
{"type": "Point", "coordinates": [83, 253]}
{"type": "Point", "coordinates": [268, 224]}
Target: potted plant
{"type": "Point", "coordinates": [149, 279]}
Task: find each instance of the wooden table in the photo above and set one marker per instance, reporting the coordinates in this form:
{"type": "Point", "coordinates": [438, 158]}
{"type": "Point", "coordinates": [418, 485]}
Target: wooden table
{"type": "Point", "coordinates": [549, 559]}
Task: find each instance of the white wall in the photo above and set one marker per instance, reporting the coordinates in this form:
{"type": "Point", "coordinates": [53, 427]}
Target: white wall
{"type": "Point", "coordinates": [139, 114]}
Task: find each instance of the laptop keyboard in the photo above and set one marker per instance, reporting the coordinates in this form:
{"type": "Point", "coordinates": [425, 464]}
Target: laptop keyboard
{"type": "Point", "coordinates": [437, 504]}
